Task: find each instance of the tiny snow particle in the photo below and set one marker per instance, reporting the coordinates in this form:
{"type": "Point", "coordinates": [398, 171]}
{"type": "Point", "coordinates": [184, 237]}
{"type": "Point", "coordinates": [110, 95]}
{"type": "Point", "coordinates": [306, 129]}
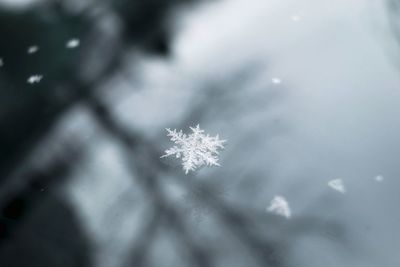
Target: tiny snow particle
{"type": "Point", "coordinates": [1, 62]}
{"type": "Point", "coordinates": [337, 185]}
{"type": "Point", "coordinates": [279, 206]}
{"type": "Point", "coordinates": [379, 178]}
{"type": "Point", "coordinates": [296, 18]}
{"type": "Point", "coordinates": [32, 49]}
{"type": "Point", "coordinates": [34, 79]}
{"type": "Point", "coordinates": [276, 80]}
{"type": "Point", "coordinates": [72, 43]}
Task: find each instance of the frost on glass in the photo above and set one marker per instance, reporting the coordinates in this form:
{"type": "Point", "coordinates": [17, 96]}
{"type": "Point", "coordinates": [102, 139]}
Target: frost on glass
{"type": "Point", "coordinates": [195, 149]}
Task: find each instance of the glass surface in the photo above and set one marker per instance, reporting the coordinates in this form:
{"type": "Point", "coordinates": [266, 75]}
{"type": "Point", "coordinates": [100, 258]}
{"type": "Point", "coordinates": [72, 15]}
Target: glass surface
{"type": "Point", "coordinates": [298, 164]}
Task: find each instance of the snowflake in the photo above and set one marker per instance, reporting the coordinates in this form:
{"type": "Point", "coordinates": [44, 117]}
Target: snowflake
{"type": "Point", "coordinates": [280, 206]}
{"type": "Point", "coordinates": [276, 80]}
{"type": "Point", "coordinates": [379, 178]}
{"type": "Point", "coordinates": [195, 149]}
{"type": "Point", "coordinates": [32, 49]}
{"type": "Point", "coordinates": [72, 43]}
{"type": "Point", "coordinates": [337, 185]}
{"type": "Point", "coordinates": [34, 79]}
{"type": "Point", "coordinates": [296, 18]}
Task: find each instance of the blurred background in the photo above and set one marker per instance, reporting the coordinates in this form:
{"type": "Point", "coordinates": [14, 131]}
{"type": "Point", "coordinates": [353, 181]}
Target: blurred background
{"type": "Point", "coordinates": [303, 91]}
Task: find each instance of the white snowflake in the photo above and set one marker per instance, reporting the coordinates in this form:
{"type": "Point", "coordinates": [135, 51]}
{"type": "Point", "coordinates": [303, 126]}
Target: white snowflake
{"type": "Point", "coordinates": [337, 185]}
{"type": "Point", "coordinates": [34, 79]}
{"type": "Point", "coordinates": [296, 18]}
{"type": "Point", "coordinates": [280, 206]}
{"type": "Point", "coordinates": [32, 49]}
{"type": "Point", "coordinates": [195, 149]}
{"type": "Point", "coordinates": [72, 43]}
{"type": "Point", "coordinates": [276, 80]}
{"type": "Point", "coordinates": [379, 178]}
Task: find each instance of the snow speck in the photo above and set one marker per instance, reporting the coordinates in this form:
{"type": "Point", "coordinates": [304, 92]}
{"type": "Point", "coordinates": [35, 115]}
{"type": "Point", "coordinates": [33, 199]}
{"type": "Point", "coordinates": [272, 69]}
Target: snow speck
{"type": "Point", "coordinates": [195, 149]}
{"type": "Point", "coordinates": [295, 18]}
{"type": "Point", "coordinates": [32, 49]}
{"type": "Point", "coordinates": [379, 178]}
{"type": "Point", "coordinates": [337, 185]}
{"type": "Point", "coordinates": [1, 62]}
{"type": "Point", "coordinates": [34, 79]}
{"type": "Point", "coordinates": [279, 206]}
{"type": "Point", "coordinates": [276, 81]}
{"type": "Point", "coordinates": [72, 43]}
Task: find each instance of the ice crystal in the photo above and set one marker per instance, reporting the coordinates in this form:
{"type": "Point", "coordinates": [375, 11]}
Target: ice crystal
{"type": "Point", "coordinates": [379, 178]}
{"type": "Point", "coordinates": [296, 18]}
{"type": "Point", "coordinates": [337, 185]}
{"type": "Point", "coordinates": [195, 149]}
{"type": "Point", "coordinates": [34, 79]}
{"type": "Point", "coordinates": [276, 80]}
{"type": "Point", "coordinates": [280, 206]}
{"type": "Point", "coordinates": [32, 49]}
{"type": "Point", "coordinates": [73, 43]}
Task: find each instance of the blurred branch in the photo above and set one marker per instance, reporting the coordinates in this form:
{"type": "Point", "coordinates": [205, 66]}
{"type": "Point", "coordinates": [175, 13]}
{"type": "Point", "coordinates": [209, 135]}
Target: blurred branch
{"type": "Point", "coordinates": [20, 194]}
{"type": "Point", "coordinates": [393, 7]}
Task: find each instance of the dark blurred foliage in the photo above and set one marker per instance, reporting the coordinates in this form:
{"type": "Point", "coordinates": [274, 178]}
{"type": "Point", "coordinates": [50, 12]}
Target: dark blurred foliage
{"type": "Point", "coordinates": [145, 23]}
{"type": "Point", "coordinates": [29, 112]}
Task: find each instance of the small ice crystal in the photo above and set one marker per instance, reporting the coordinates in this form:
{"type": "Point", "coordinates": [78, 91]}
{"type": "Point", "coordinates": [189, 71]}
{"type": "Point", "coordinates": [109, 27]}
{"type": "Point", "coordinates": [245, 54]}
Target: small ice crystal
{"type": "Point", "coordinates": [35, 79]}
{"type": "Point", "coordinates": [276, 80]}
{"type": "Point", "coordinates": [379, 178]}
{"type": "Point", "coordinates": [32, 49]}
{"type": "Point", "coordinates": [72, 43]}
{"type": "Point", "coordinates": [279, 206]}
{"type": "Point", "coordinates": [296, 18]}
{"type": "Point", "coordinates": [337, 185]}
